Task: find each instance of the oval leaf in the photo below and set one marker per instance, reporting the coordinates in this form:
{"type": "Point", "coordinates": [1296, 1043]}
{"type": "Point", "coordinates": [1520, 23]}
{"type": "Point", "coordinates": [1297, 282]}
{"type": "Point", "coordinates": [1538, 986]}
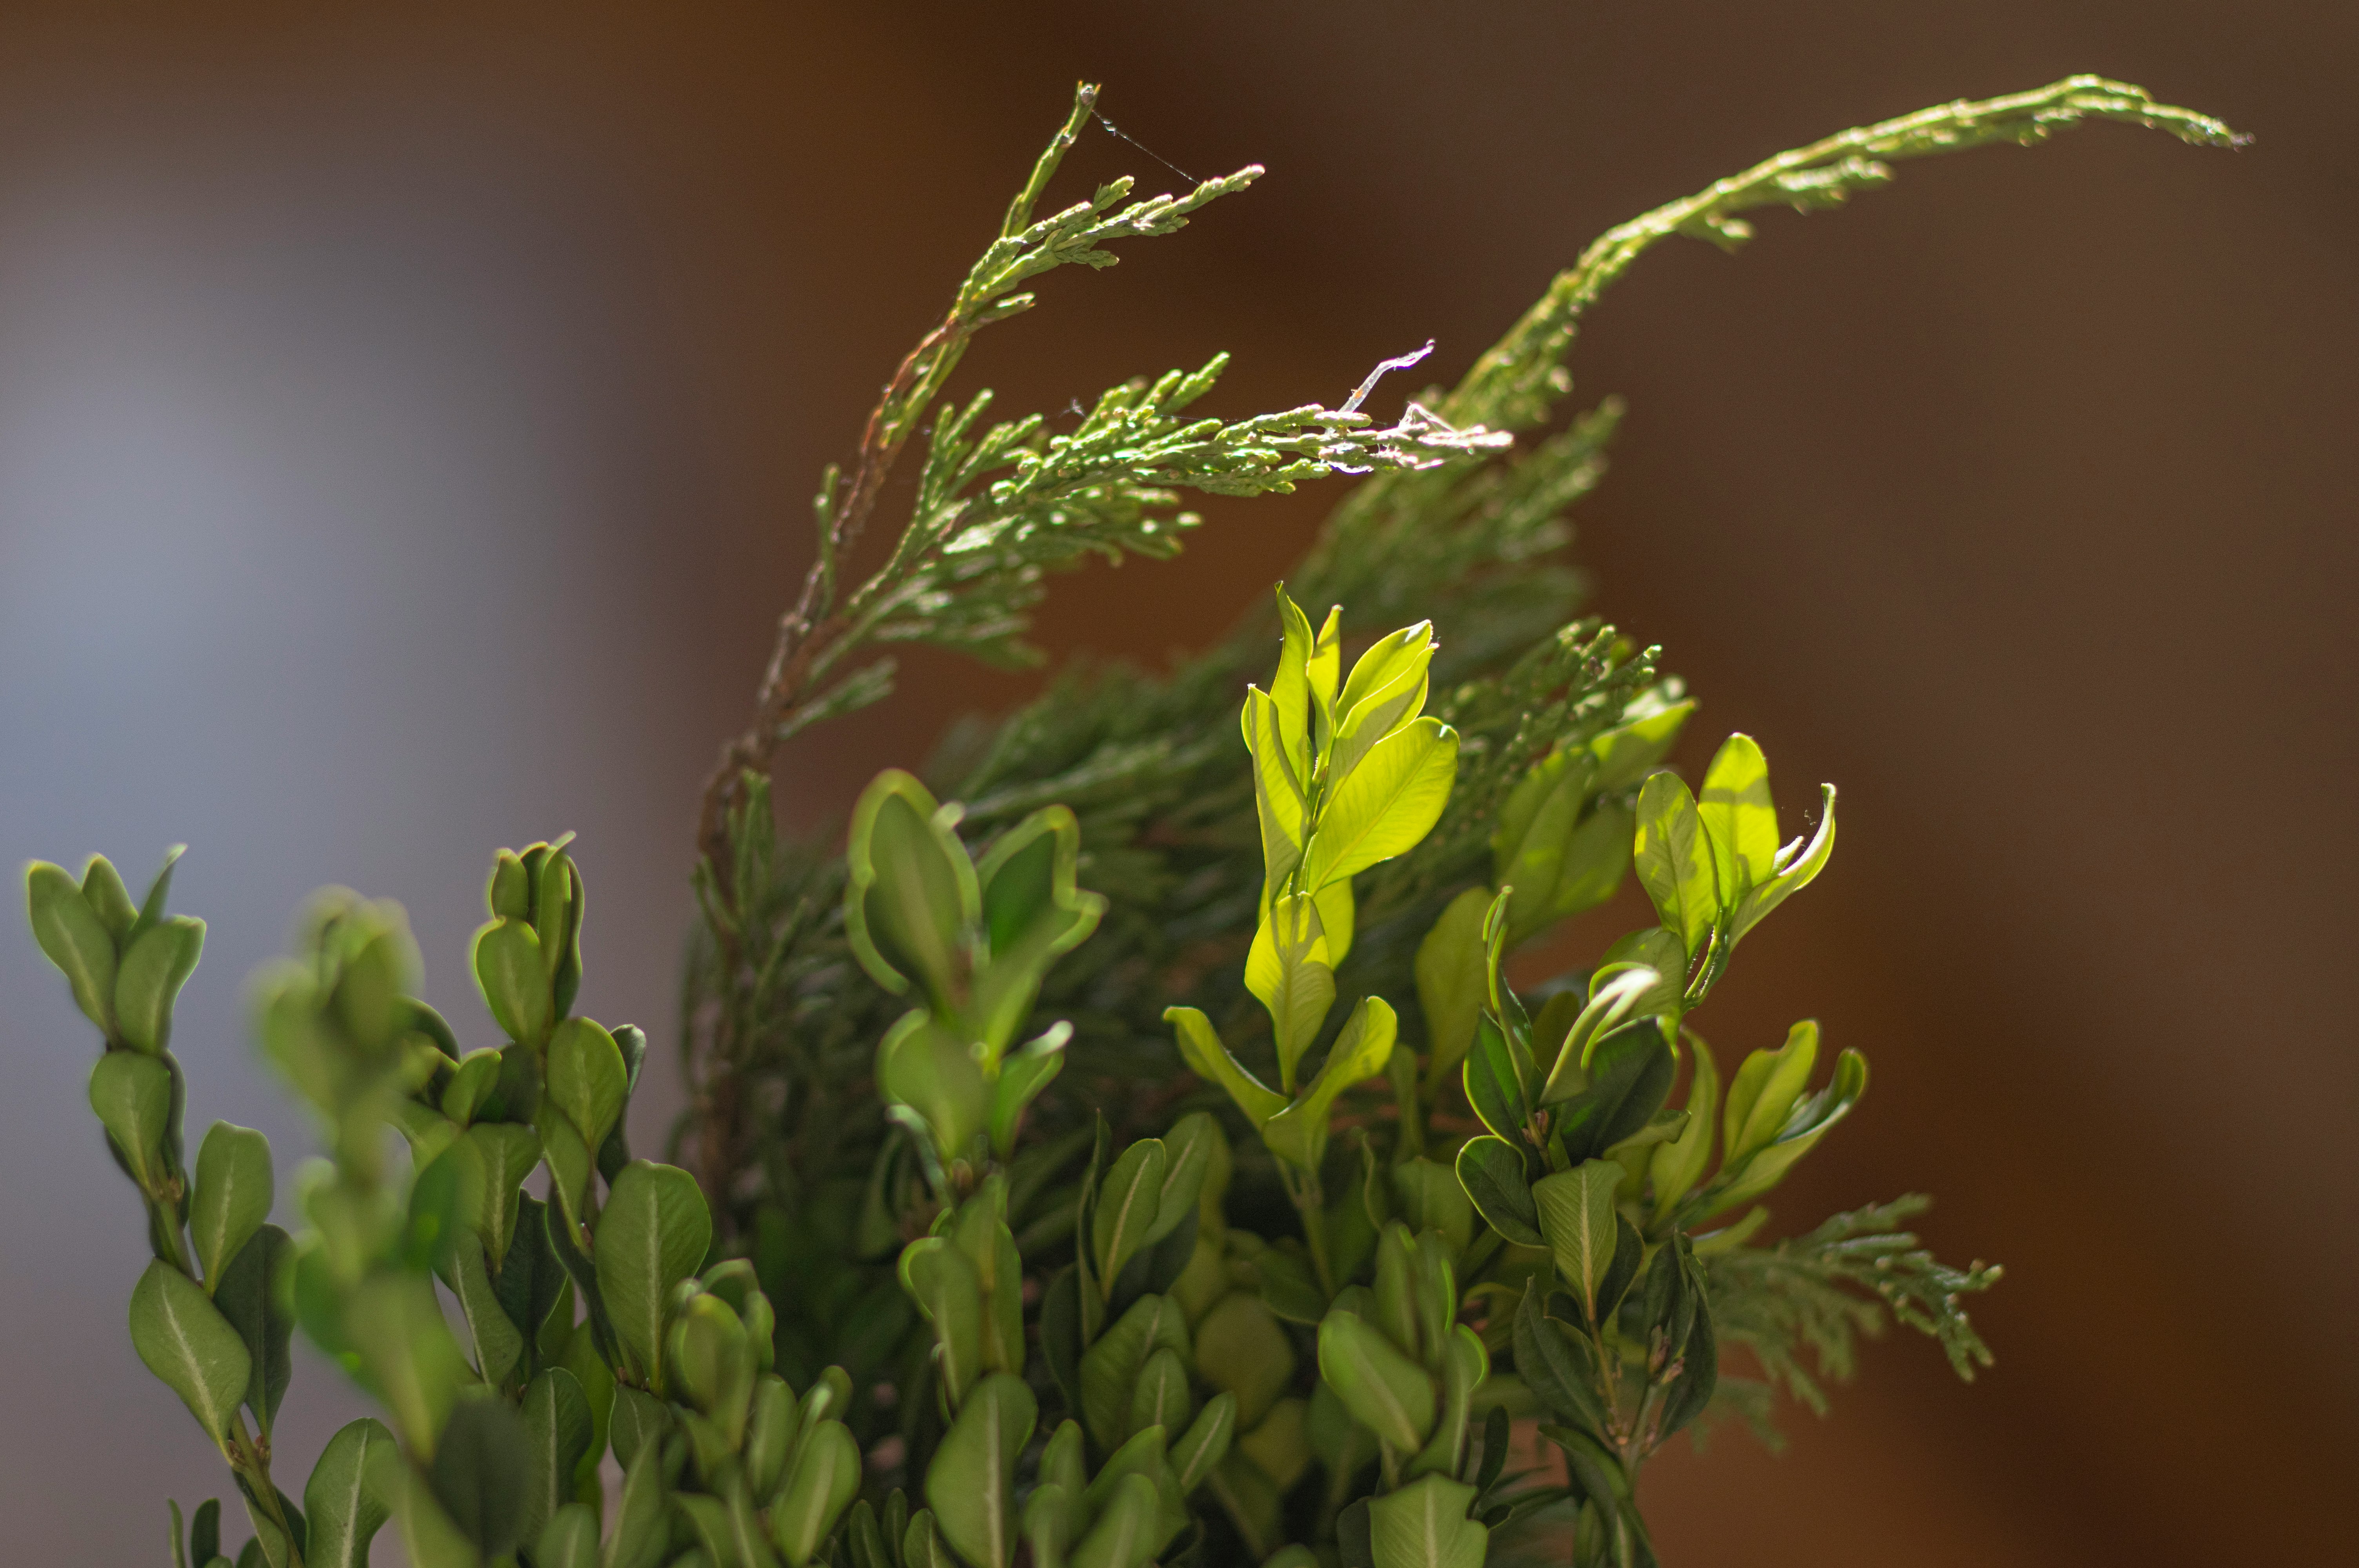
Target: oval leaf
{"type": "Point", "coordinates": [184, 1340]}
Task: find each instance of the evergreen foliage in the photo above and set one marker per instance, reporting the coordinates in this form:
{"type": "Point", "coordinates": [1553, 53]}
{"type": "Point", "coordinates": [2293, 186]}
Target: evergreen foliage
{"type": "Point", "coordinates": [1144, 1156]}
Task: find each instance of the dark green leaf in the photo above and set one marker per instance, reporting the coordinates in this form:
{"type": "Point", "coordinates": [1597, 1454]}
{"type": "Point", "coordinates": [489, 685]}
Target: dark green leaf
{"type": "Point", "coordinates": [557, 1433]}
{"type": "Point", "coordinates": [233, 1195]}
{"type": "Point", "coordinates": [1492, 1172]}
{"type": "Point", "coordinates": [257, 1298]}
{"type": "Point", "coordinates": [1630, 1072]}
{"type": "Point", "coordinates": [1558, 1367]}
{"type": "Point", "coordinates": [480, 1472]}
{"type": "Point", "coordinates": [653, 1234]}
{"type": "Point", "coordinates": [185, 1341]}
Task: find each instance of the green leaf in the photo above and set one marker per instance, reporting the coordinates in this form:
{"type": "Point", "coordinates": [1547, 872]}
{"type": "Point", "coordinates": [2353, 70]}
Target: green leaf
{"type": "Point", "coordinates": [910, 898]}
{"type": "Point", "coordinates": [204, 1533]}
{"type": "Point", "coordinates": [477, 1076]}
{"type": "Point", "coordinates": [1809, 1121]}
{"type": "Point", "coordinates": [1127, 1532]}
{"type": "Point", "coordinates": [1764, 1092]}
{"type": "Point", "coordinates": [1558, 1366]}
{"type": "Point", "coordinates": [1496, 1080]}
{"type": "Point", "coordinates": [1387, 690]}
{"type": "Point", "coordinates": [557, 1433]}
{"type": "Point", "coordinates": [1453, 974]}
{"type": "Point", "coordinates": [569, 1538]}
{"type": "Point", "coordinates": [343, 1511]}
{"type": "Point", "coordinates": [1740, 818]}
{"type": "Point", "coordinates": [1199, 1451]}
{"type": "Point", "coordinates": [643, 1518]}
{"type": "Point", "coordinates": [1280, 805]}
{"type": "Point", "coordinates": [640, 1421]}
{"type": "Point", "coordinates": [1385, 1391]}
{"type": "Point", "coordinates": [1242, 1351]}
{"type": "Point", "coordinates": [514, 984]}
{"type": "Point", "coordinates": [1298, 1133]}
{"type": "Point", "coordinates": [155, 966]}
{"type": "Point", "coordinates": [1798, 867]}
{"type": "Point", "coordinates": [1424, 1525]}
{"type": "Point", "coordinates": [1288, 969]}
{"type": "Point", "coordinates": [110, 901]}
{"type": "Point", "coordinates": [1032, 913]}
{"type": "Point", "coordinates": [1674, 859]}
{"type": "Point", "coordinates": [821, 1484]}
{"type": "Point", "coordinates": [653, 1234]}
{"type": "Point", "coordinates": [186, 1341]}
{"type": "Point", "coordinates": [1625, 754]}
{"type": "Point", "coordinates": [970, 1484]}
{"type": "Point", "coordinates": [1127, 1200]}
{"type": "Point", "coordinates": [74, 938]}
{"type": "Point", "coordinates": [1430, 1196]}
{"type": "Point", "coordinates": [480, 1472]}
{"type": "Point", "coordinates": [1160, 1397]}
{"type": "Point", "coordinates": [233, 1195]}
{"type": "Point", "coordinates": [1536, 823]}
{"type": "Point", "coordinates": [587, 1079]}
{"type": "Point", "coordinates": [252, 1296]}
{"type": "Point", "coordinates": [396, 1324]}
{"type": "Point", "coordinates": [1389, 802]}
{"type": "Point", "coordinates": [133, 1096]}
{"type": "Point", "coordinates": [508, 1152]}
{"type": "Point", "coordinates": [948, 1289]}
{"type": "Point", "coordinates": [1190, 1150]}
{"type": "Point", "coordinates": [1208, 1058]}
{"type": "Point", "coordinates": [1111, 1367]}
{"type": "Point", "coordinates": [1631, 1069]}
{"type": "Point", "coordinates": [923, 1066]}
{"type": "Point", "coordinates": [499, 1343]}
{"type": "Point", "coordinates": [1679, 1164]}
{"type": "Point", "coordinates": [1577, 1215]}
{"type": "Point", "coordinates": [1493, 1174]}
{"type": "Point", "coordinates": [1022, 1076]}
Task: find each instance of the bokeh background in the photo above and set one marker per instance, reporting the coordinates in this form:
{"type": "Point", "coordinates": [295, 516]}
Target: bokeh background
{"type": "Point", "coordinates": [406, 422]}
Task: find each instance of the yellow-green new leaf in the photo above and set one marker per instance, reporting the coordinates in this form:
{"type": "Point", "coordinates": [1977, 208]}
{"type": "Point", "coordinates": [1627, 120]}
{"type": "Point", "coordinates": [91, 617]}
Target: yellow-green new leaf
{"type": "Point", "coordinates": [1764, 1091]}
{"type": "Point", "coordinates": [911, 895]}
{"type": "Point", "coordinates": [1679, 1164]}
{"type": "Point", "coordinates": [186, 1341]}
{"type": "Point", "coordinates": [1208, 1058]}
{"type": "Point", "coordinates": [1298, 1133]}
{"type": "Point", "coordinates": [1279, 791]}
{"type": "Point", "coordinates": [1674, 859]}
{"type": "Point", "coordinates": [1387, 806]}
{"type": "Point", "coordinates": [1626, 753]}
{"type": "Point", "coordinates": [1288, 970]}
{"type": "Point", "coordinates": [515, 985]}
{"type": "Point", "coordinates": [1797, 867]}
{"type": "Point", "coordinates": [1740, 816]}
{"type": "Point", "coordinates": [1387, 690]}
{"type": "Point", "coordinates": [1453, 975]}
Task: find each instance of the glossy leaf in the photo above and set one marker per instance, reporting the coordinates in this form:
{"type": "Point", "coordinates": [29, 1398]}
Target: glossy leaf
{"type": "Point", "coordinates": [1628, 752]}
{"type": "Point", "coordinates": [587, 1079]}
{"type": "Point", "coordinates": [1288, 969]}
{"type": "Point", "coordinates": [1127, 1204]}
{"type": "Point", "coordinates": [1387, 806]}
{"type": "Point", "coordinates": [1631, 1070]}
{"type": "Point", "coordinates": [1208, 1058]}
{"type": "Point", "coordinates": [1740, 818]}
{"type": "Point", "coordinates": [1279, 804]}
{"type": "Point", "coordinates": [1674, 860]}
{"type": "Point", "coordinates": [1298, 1133]}
{"type": "Point", "coordinates": [1556, 1366]}
{"type": "Point", "coordinates": [1765, 1090]}
{"type": "Point", "coordinates": [1798, 867]}
{"type": "Point", "coordinates": [185, 1341]}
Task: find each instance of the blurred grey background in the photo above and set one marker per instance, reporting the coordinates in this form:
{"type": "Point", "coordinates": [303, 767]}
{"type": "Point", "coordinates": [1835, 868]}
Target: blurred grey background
{"type": "Point", "coordinates": [406, 422]}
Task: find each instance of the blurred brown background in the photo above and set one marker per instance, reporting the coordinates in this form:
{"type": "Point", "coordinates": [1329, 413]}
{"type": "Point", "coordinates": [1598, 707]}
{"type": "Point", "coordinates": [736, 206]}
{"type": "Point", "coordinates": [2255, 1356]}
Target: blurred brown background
{"type": "Point", "coordinates": [405, 432]}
